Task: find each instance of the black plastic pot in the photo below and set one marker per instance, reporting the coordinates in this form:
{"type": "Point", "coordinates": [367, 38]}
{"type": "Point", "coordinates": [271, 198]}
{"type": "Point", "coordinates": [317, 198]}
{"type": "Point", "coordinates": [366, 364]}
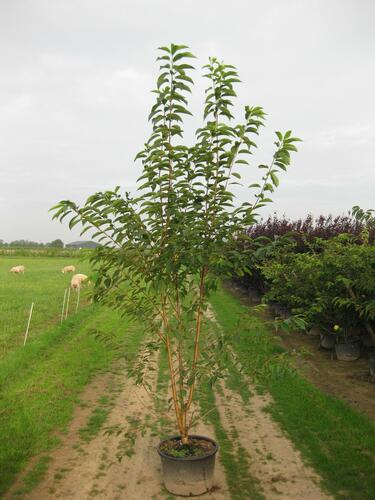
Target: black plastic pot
{"type": "Point", "coordinates": [348, 351]}
{"type": "Point", "coordinates": [327, 340]}
{"type": "Point", "coordinates": [371, 358]}
{"type": "Point", "coordinates": [188, 476]}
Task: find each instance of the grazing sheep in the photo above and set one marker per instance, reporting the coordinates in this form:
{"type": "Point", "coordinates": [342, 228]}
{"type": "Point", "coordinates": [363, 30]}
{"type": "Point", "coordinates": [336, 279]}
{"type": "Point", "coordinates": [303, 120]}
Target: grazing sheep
{"type": "Point", "coordinates": [68, 269]}
{"type": "Point", "coordinates": [18, 270]}
{"type": "Point", "coordinates": [77, 280]}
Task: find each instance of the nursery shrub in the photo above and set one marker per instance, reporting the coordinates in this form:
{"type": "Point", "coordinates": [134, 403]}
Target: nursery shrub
{"type": "Point", "coordinates": [334, 286]}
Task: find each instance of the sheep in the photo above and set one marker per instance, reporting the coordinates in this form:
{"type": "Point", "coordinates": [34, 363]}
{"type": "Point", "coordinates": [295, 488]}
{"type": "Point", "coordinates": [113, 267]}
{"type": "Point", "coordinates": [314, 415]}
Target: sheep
{"type": "Point", "coordinates": [68, 269]}
{"type": "Point", "coordinates": [77, 281]}
{"type": "Point", "coordinates": [17, 270]}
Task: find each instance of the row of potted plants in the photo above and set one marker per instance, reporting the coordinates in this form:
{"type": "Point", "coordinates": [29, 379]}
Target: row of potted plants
{"type": "Point", "coordinates": [329, 283]}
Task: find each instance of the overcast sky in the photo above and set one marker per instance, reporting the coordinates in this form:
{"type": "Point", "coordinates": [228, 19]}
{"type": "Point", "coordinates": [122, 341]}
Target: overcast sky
{"type": "Point", "coordinates": [75, 83]}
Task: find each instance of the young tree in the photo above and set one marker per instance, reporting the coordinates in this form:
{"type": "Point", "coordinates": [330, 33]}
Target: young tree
{"type": "Point", "coordinates": [164, 249]}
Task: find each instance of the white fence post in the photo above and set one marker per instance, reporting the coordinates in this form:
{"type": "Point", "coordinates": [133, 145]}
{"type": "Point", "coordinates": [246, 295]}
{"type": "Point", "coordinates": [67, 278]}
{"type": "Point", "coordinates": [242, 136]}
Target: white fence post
{"type": "Point", "coordinates": [79, 289]}
{"type": "Point", "coordinates": [63, 306]}
{"type": "Point", "coordinates": [28, 323]}
{"type": "Point", "coordinates": [67, 304]}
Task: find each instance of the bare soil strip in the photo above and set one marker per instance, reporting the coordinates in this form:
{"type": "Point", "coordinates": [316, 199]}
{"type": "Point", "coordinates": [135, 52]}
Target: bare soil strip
{"type": "Point", "coordinates": [274, 462]}
{"type": "Point", "coordinates": [92, 469]}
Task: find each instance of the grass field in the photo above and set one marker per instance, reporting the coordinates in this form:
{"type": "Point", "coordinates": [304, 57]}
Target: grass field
{"type": "Point", "coordinates": [41, 382]}
{"type": "Point", "coordinates": [44, 284]}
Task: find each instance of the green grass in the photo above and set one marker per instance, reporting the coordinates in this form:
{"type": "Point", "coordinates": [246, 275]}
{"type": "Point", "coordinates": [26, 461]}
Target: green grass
{"type": "Point", "coordinates": [95, 423]}
{"type": "Point", "coordinates": [336, 440]}
{"type": "Point", "coordinates": [40, 386]}
{"type": "Point", "coordinates": [44, 284]}
{"type": "Point", "coordinates": [97, 418]}
{"type": "Point", "coordinates": [34, 475]}
{"type": "Point", "coordinates": [41, 383]}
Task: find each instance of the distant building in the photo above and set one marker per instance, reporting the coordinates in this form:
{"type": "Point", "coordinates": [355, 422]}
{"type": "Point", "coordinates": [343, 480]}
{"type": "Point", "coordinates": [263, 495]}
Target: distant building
{"type": "Point", "coordinates": [77, 245]}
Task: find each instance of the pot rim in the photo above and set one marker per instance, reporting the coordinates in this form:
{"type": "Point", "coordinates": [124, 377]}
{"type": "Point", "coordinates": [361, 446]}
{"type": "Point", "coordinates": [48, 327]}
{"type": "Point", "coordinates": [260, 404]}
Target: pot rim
{"type": "Point", "coordinates": [187, 459]}
{"type": "Point", "coordinates": [351, 341]}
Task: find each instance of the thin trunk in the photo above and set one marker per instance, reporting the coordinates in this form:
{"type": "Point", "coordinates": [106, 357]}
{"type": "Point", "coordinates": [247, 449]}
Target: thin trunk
{"type": "Point", "coordinates": [180, 360]}
{"type": "Point", "coordinates": [172, 373]}
{"type": "Point", "coordinates": [197, 337]}
{"type": "Point", "coordinates": [173, 385]}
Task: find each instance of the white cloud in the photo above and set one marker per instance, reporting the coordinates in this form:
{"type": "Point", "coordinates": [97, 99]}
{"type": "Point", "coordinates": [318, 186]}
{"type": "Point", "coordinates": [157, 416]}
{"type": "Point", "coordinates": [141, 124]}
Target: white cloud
{"type": "Point", "coordinates": [76, 81]}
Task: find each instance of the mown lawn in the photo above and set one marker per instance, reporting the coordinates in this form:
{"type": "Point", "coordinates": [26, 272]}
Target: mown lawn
{"type": "Point", "coordinates": [40, 384]}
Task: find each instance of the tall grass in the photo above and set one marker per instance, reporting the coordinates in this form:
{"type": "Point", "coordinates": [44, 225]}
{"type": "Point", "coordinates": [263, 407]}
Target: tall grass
{"type": "Point", "coordinates": [43, 252]}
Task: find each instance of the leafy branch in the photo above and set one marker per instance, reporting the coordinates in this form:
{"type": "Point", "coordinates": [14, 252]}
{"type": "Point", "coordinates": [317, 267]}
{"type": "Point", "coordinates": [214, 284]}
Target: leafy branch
{"type": "Point", "coordinates": [164, 250]}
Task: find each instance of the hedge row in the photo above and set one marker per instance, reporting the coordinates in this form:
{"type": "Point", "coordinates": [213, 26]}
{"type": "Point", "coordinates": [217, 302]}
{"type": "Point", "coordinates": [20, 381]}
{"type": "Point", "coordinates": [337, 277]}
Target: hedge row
{"type": "Point", "coordinates": [329, 281]}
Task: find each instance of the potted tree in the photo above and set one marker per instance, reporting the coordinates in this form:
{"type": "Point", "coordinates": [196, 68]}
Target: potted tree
{"type": "Point", "coordinates": [164, 248]}
{"type": "Point", "coordinates": [347, 346]}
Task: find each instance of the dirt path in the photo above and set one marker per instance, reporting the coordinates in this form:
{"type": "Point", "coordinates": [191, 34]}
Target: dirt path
{"type": "Point", "coordinates": [80, 470]}
{"type": "Point", "coordinates": [274, 463]}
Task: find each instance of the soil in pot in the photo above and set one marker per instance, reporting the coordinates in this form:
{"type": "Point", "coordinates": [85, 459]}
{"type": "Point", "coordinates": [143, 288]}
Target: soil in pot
{"type": "Point", "coordinates": [188, 469]}
{"type": "Point", "coordinates": [348, 351]}
{"type": "Point", "coordinates": [195, 448]}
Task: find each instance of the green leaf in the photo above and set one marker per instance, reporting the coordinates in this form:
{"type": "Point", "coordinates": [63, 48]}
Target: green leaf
{"type": "Point", "coordinates": [166, 49]}
{"type": "Point", "coordinates": [182, 55]}
{"type": "Point", "coordinates": [275, 179]}
{"type": "Point", "coordinates": [279, 136]}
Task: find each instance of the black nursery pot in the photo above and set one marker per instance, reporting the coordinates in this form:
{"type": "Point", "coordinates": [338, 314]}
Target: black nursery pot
{"type": "Point", "coordinates": [348, 351]}
{"type": "Point", "coordinates": [188, 476]}
{"type": "Point", "coordinates": [371, 358]}
{"type": "Point", "coordinates": [327, 340]}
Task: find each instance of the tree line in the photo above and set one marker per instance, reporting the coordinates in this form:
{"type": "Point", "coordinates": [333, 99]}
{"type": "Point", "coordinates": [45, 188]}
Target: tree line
{"type": "Point", "coordinates": [32, 244]}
